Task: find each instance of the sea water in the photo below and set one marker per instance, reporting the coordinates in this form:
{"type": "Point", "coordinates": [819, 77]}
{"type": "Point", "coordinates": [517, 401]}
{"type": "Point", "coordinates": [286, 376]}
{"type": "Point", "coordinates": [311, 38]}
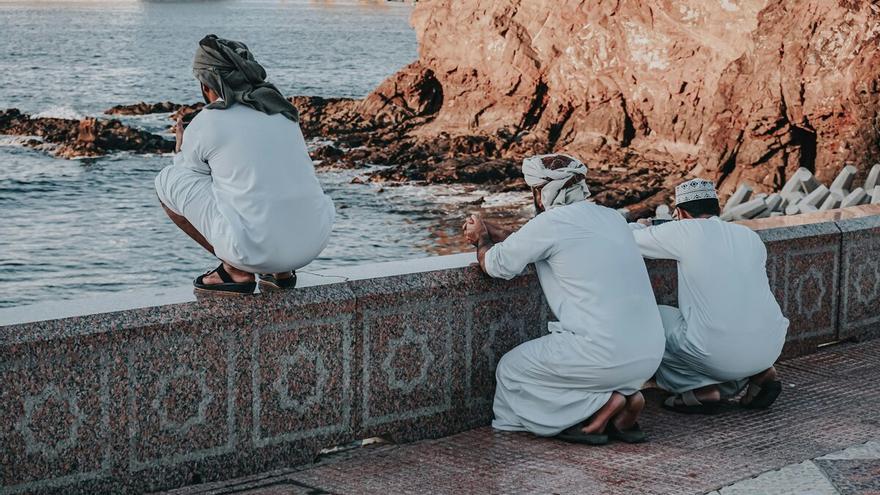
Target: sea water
{"type": "Point", "coordinates": [74, 228]}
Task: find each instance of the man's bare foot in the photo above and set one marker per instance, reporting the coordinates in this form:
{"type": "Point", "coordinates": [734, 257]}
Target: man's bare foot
{"type": "Point", "coordinates": [597, 422]}
{"type": "Point", "coordinates": [767, 375]}
{"type": "Point", "coordinates": [626, 419]}
{"type": "Point", "coordinates": [237, 275]}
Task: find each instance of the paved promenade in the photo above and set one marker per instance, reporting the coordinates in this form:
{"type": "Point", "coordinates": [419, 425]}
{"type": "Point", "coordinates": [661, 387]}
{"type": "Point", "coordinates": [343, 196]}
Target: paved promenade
{"type": "Point", "coordinates": [821, 437]}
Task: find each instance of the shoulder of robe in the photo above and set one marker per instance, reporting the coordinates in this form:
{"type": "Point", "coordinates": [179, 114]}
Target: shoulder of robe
{"type": "Point", "coordinates": [742, 230]}
{"type": "Point", "coordinates": [203, 117]}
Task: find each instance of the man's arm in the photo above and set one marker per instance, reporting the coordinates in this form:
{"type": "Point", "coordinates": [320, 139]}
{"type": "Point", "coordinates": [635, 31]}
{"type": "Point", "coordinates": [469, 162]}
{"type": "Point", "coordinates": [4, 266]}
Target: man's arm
{"type": "Point", "coordinates": [661, 241]}
{"type": "Point", "coordinates": [192, 152]}
{"type": "Point", "coordinates": [642, 223]}
{"type": "Point", "coordinates": [484, 244]}
{"type": "Point", "coordinates": [178, 134]}
{"type": "Point", "coordinates": [533, 242]}
{"type": "Point", "coordinates": [498, 233]}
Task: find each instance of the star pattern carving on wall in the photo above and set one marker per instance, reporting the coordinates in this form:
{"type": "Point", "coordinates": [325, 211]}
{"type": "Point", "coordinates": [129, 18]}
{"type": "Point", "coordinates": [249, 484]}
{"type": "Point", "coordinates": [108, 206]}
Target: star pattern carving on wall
{"type": "Point", "coordinates": [161, 406]}
{"type": "Point", "coordinates": [33, 405]}
{"type": "Point", "coordinates": [389, 363]}
{"type": "Point", "coordinates": [290, 365]}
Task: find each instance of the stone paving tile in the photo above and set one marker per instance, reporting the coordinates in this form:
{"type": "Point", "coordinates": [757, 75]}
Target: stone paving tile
{"type": "Point", "coordinates": [834, 404]}
{"type": "Point", "coordinates": [798, 479]}
{"type": "Point", "coordinates": [853, 476]}
{"type": "Point", "coordinates": [869, 450]}
{"type": "Point", "coordinates": [284, 488]}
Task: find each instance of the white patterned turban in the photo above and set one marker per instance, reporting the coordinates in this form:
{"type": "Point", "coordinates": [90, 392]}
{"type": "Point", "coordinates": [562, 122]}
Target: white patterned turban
{"type": "Point", "coordinates": [562, 179]}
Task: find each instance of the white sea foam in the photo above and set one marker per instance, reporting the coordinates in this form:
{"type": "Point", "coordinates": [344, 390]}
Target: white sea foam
{"type": "Point", "coordinates": [59, 112]}
{"type": "Point", "coordinates": [438, 193]}
{"type": "Point", "coordinates": [508, 199]}
{"type": "Point", "coordinates": [16, 140]}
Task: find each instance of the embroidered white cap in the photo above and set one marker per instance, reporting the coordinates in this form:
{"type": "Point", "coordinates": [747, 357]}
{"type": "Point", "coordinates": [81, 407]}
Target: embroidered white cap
{"type": "Point", "coordinates": [695, 189]}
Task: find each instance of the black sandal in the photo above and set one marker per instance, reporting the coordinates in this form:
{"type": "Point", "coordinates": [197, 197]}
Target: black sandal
{"type": "Point", "coordinates": [762, 396]}
{"type": "Point", "coordinates": [630, 435]}
{"type": "Point", "coordinates": [687, 403]}
{"type": "Point", "coordinates": [268, 282]}
{"type": "Point", "coordinates": [228, 286]}
{"type": "Point", "coordinates": [575, 434]}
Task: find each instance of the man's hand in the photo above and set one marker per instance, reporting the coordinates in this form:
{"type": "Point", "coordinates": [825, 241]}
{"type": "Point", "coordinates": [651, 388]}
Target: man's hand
{"type": "Point", "coordinates": [474, 229]}
{"type": "Point", "coordinates": [644, 221]}
{"type": "Point", "coordinates": [178, 134]}
{"type": "Point", "coordinates": [477, 233]}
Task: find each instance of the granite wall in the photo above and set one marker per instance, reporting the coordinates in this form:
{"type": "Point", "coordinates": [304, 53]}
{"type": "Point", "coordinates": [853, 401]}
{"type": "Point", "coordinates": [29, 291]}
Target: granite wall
{"type": "Point", "coordinates": [159, 397]}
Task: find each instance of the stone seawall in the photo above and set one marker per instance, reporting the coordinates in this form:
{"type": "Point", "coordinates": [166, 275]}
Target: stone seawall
{"type": "Point", "coordinates": [162, 396]}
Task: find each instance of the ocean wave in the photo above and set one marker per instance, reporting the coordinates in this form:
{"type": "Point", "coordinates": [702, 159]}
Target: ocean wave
{"type": "Point", "coordinates": [507, 200]}
{"type": "Point", "coordinates": [6, 140]}
{"type": "Point", "coordinates": [59, 112]}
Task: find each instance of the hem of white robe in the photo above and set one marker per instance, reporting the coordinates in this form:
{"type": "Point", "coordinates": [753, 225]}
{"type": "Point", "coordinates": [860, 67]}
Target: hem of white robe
{"type": "Point", "coordinates": [310, 256]}
{"type": "Point", "coordinates": [728, 388]}
{"type": "Point", "coordinates": [547, 430]}
{"type": "Point", "coordinates": [225, 249]}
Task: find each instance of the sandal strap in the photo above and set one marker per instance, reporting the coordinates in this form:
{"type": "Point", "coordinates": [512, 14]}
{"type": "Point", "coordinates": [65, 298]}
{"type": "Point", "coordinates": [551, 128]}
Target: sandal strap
{"type": "Point", "coordinates": [224, 276]}
{"type": "Point", "coordinates": [690, 399]}
{"type": "Point", "coordinates": [752, 391]}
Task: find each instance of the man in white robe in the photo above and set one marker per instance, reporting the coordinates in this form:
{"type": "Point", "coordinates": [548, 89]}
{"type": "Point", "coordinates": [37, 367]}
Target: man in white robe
{"type": "Point", "coordinates": [728, 329]}
{"type": "Point", "coordinates": [582, 380]}
{"type": "Point", "coordinates": [242, 184]}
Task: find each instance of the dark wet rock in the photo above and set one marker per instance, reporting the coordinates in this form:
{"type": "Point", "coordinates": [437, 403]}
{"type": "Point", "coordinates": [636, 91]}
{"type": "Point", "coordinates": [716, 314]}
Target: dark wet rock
{"type": "Point", "coordinates": [412, 92]}
{"type": "Point", "coordinates": [187, 112]}
{"type": "Point", "coordinates": [82, 138]}
{"type": "Point", "coordinates": [143, 108]}
{"type": "Point", "coordinates": [326, 152]}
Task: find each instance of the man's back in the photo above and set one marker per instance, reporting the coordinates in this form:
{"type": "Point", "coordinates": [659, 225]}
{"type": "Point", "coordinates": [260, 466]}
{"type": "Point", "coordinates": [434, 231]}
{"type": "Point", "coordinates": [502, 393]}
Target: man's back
{"type": "Point", "coordinates": [263, 179]}
{"type": "Point", "coordinates": [248, 150]}
{"type": "Point", "coordinates": [592, 275]}
{"type": "Point", "coordinates": [724, 294]}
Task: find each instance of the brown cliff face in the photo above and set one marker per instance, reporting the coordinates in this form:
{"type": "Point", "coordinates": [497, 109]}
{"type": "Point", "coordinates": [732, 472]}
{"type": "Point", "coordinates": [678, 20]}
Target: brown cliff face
{"type": "Point", "coordinates": [729, 89]}
{"type": "Point", "coordinates": [807, 95]}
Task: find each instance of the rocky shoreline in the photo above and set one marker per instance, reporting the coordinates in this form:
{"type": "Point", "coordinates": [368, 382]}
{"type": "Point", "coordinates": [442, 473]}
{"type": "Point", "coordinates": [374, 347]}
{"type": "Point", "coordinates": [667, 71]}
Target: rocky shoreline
{"type": "Point", "coordinates": [89, 137]}
{"type": "Point", "coordinates": [381, 129]}
{"type": "Point", "coordinates": [391, 127]}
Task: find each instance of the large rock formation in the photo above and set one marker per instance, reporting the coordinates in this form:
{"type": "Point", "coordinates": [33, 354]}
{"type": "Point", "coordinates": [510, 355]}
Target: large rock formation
{"type": "Point", "coordinates": [730, 89]}
{"type": "Point", "coordinates": [648, 92]}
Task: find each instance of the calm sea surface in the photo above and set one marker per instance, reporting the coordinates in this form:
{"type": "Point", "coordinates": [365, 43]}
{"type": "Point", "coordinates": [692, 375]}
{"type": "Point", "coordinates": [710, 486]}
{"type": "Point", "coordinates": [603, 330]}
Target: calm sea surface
{"type": "Point", "coordinates": [73, 228]}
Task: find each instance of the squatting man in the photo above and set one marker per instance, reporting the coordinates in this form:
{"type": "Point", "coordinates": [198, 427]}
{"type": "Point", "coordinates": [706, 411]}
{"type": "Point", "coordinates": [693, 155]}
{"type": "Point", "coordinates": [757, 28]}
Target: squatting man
{"type": "Point", "coordinates": [242, 184]}
{"type": "Point", "coordinates": [581, 382]}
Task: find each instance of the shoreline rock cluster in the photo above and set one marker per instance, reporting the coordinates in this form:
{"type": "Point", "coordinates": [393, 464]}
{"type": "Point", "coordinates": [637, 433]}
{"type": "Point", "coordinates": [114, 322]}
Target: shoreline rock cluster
{"type": "Point", "coordinates": [143, 108]}
{"type": "Point", "coordinates": [89, 137]}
